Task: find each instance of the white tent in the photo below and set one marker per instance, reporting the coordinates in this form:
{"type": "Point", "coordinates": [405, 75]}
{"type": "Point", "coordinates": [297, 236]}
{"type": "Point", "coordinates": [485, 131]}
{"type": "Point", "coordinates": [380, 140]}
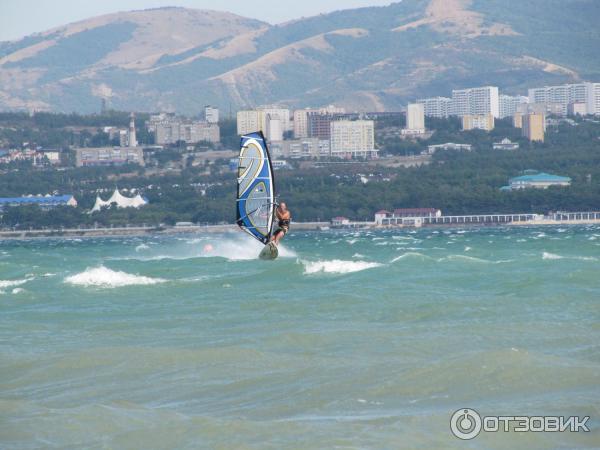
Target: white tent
{"type": "Point", "coordinates": [120, 200]}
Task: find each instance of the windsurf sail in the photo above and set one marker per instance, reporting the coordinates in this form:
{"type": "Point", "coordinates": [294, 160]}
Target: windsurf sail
{"type": "Point", "coordinates": [255, 193]}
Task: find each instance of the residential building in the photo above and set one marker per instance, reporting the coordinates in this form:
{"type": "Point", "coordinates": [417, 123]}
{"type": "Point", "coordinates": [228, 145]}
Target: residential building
{"type": "Point", "coordinates": [108, 156]}
{"type": "Point", "coordinates": [248, 121]}
{"type": "Point", "coordinates": [353, 139]}
{"type": "Point", "coordinates": [518, 120]}
{"type": "Point", "coordinates": [44, 202]}
{"type": "Point", "coordinates": [211, 115]}
{"type": "Point", "coordinates": [508, 104]}
{"type": "Point", "coordinates": [475, 101]}
{"type": "Point", "coordinates": [588, 93]}
{"type": "Point", "coordinates": [340, 221]}
{"type": "Point", "coordinates": [301, 122]}
{"type": "Point", "coordinates": [169, 129]}
{"type": "Point", "coordinates": [319, 125]}
{"type": "Point", "coordinates": [577, 109]}
{"type": "Point", "coordinates": [273, 128]}
{"type": "Point", "coordinates": [415, 119]}
{"type": "Point", "coordinates": [534, 127]}
{"type": "Point", "coordinates": [313, 148]}
{"type": "Point", "coordinates": [274, 112]}
{"type": "Point", "coordinates": [535, 179]}
{"type": "Point", "coordinates": [478, 122]}
{"type": "Point", "coordinates": [431, 149]}
{"type": "Point", "coordinates": [505, 144]}
{"type": "Point", "coordinates": [436, 106]}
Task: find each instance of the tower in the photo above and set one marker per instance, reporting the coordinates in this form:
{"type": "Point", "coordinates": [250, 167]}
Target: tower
{"type": "Point", "coordinates": [132, 141]}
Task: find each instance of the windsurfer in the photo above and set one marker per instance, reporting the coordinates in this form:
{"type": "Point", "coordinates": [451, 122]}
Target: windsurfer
{"type": "Point", "coordinates": [283, 225]}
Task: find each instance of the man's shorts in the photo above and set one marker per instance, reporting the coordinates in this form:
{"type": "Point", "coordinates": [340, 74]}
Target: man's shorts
{"type": "Point", "coordinates": [283, 228]}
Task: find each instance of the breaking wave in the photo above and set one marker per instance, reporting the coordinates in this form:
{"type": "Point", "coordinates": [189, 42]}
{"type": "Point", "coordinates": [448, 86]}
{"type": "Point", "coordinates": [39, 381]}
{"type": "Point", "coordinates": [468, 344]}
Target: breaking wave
{"type": "Point", "coordinates": [553, 256]}
{"type": "Point", "coordinates": [107, 278]}
{"type": "Point", "coordinates": [12, 283]}
{"type": "Point", "coordinates": [337, 266]}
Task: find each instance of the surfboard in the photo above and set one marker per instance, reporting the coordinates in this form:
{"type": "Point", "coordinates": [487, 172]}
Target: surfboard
{"type": "Point", "coordinates": [269, 252]}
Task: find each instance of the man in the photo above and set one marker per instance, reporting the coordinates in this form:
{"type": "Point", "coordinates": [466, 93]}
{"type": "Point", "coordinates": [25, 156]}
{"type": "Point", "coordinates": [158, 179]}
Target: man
{"type": "Point", "coordinates": [283, 226]}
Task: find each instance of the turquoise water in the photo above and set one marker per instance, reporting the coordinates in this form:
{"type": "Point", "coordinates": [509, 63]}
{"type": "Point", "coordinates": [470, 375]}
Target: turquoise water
{"type": "Point", "coordinates": [349, 340]}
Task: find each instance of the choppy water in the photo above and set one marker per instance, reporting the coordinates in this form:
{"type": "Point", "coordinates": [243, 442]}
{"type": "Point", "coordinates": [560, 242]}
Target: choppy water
{"type": "Point", "coordinates": [350, 340]}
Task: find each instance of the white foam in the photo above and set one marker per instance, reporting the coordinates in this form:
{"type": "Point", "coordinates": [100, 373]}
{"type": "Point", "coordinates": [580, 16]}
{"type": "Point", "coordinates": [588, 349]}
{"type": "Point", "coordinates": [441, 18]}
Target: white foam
{"type": "Point", "coordinates": [18, 290]}
{"type": "Point", "coordinates": [547, 255]}
{"type": "Point", "coordinates": [337, 266]}
{"type": "Point", "coordinates": [240, 248]}
{"type": "Point", "coordinates": [141, 247]}
{"type": "Point", "coordinates": [107, 278]}
{"type": "Point", "coordinates": [11, 283]}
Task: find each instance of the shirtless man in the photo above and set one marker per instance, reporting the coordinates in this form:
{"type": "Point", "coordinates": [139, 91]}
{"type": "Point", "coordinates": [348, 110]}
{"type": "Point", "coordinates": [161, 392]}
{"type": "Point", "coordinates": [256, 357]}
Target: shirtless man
{"type": "Point", "coordinates": [283, 216]}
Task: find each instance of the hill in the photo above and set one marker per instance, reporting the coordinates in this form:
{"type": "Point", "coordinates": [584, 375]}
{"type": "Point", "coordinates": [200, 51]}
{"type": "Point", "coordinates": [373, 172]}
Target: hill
{"type": "Point", "coordinates": [369, 58]}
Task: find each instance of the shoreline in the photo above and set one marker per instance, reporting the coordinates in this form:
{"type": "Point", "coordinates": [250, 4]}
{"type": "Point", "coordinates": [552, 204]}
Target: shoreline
{"type": "Point", "coordinates": [224, 228]}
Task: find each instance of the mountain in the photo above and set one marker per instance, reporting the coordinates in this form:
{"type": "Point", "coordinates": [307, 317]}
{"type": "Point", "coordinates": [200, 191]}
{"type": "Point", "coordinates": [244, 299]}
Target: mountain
{"type": "Point", "coordinates": [369, 58]}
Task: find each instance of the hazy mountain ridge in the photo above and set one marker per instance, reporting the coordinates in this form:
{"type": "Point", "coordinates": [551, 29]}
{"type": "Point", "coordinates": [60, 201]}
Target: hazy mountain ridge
{"type": "Point", "coordinates": [373, 58]}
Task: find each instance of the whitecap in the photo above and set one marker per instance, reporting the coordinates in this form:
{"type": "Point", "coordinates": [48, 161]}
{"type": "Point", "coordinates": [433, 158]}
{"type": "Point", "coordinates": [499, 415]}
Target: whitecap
{"type": "Point", "coordinates": [409, 255]}
{"type": "Point", "coordinates": [18, 290]}
{"type": "Point", "coordinates": [141, 247]}
{"type": "Point", "coordinates": [11, 283]}
{"type": "Point", "coordinates": [106, 278]}
{"type": "Point", "coordinates": [547, 255]}
{"type": "Point", "coordinates": [337, 266]}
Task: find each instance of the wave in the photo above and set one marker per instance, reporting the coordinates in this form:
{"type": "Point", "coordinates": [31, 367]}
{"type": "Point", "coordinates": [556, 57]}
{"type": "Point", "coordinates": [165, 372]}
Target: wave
{"type": "Point", "coordinates": [337, 266]}
{"type": "Point", "coordinates": [107, 278]}
{"type": "Point", "coordinates": [553, 256]}
{"type": "Point", "coordinates": [141, 247]}
{"type": "Point", "coordinates": [13, 283]}
{"type": "Point", "coordinates": [410, 255]}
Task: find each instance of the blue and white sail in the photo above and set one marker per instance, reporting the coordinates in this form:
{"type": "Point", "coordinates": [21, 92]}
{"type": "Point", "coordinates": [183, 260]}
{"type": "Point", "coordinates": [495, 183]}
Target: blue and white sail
{"type": "Point", "coordinates": [255, 194]}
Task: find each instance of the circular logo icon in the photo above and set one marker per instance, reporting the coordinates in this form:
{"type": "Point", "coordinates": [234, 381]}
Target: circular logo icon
{"type": "Point", "coordinates": [465, 423]}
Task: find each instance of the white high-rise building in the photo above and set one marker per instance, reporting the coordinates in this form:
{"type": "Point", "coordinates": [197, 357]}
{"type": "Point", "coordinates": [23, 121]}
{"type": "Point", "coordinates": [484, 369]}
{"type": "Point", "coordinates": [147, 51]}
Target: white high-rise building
{"type": "Point", "coordinates": [593, 98]}
{"type": "Point", "coordinates": [273, 128]}
{"type": "Point", "coordinates": [475, 101]}
{"type": "Point", "coordinates": [131, 138]}
{"type": "Point", "coordinates": [283, 114]}
{"type": "Point", "coordinates": [436, 106]}
{"type": "Point", "coordinates": [211, 115]}
{"type": "Point", "coordinates": [248, 121]}
{"type": "Point", "coordinates": [566, 94]}
{"type": "Point", "coordinates": [301, 122]}
{"type": "Point", "coordinates": [353, 139]}
{"type": "Point", "coordinates": [509, 104]}
{"type": "Point", "coordinates": [415, 119]}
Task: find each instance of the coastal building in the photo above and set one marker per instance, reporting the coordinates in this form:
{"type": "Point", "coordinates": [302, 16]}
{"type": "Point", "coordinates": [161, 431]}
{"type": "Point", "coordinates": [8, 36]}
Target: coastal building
{"type": "Point", "coordinates": [505, 144]}
{"type": "Point", "coordinates": [44, 202]}
{"type": "Point", "coordinates": [431, 149]}
{"type": "Point", "coordinates": [535, 179]}
{"type": "Point", "coordinates": [353, 139]}
{"type": "Point", "coordinates": [272, 112]}
{"type": "Point", "coordinates": [301, 128]}
{"type": "Point", "coordinates": [399, 216]}
{"type": "Point", "coordinates": [478, 122]}
{"type": "Point", "coordinates": [588, 93]}
{"type": "Point", "coordinates": [211, 115]}
{"type": "Point", "coordinates": [312, 148]}
{"type": "Point", "coordinates": [120, 201]}
{"type": "Point", "coordinates": [340, 221]}
{"type": "Point", "coordinates": [415, 119]}
{"type": "Point", "coordinates": [439, 107]}
{"type": "Point", "coordinates": [475, 101]}
{"type": "Point", "coordinates": [508, 104]}
{"type": "Point", "coordinates": [319, 125]}
{"type": "Point", "coordinates": [534, 127]}
{"type": "Point", "coordinates": [273, 128]}
{"type": "Point", "coordinates": [108, 156]}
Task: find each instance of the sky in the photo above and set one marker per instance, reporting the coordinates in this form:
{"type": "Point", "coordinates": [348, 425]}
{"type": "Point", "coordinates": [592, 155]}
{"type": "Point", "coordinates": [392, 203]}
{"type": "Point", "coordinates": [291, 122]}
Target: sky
{"type": "Point", "coordinates": [19, 18]}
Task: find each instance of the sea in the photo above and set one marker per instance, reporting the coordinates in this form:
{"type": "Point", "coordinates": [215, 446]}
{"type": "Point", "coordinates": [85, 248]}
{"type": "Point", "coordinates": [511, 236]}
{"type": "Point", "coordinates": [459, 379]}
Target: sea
{"type": "Point", "coordinates": [352, 339]}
